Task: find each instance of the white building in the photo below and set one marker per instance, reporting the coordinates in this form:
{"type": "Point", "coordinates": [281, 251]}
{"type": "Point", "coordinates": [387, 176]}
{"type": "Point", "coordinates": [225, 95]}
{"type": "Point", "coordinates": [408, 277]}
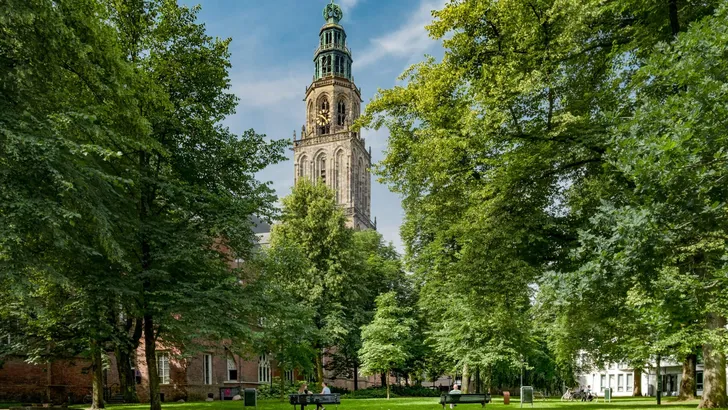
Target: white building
{"type": "Point", "coordinates": [620, 378]}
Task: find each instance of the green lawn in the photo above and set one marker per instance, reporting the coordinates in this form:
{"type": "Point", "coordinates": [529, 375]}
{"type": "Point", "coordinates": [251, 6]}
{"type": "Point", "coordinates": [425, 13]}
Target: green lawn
{"type": "Point", "coordinates": [421, 404]}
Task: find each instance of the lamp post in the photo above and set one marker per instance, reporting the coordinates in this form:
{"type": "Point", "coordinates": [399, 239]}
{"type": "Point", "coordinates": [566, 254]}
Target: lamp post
{"type": "Point", "coordinates": [522, 372]}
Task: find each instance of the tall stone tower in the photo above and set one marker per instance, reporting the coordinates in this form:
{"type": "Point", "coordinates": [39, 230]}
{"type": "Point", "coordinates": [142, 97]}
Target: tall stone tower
{"type": "Point", "coordinates": [328, 151]}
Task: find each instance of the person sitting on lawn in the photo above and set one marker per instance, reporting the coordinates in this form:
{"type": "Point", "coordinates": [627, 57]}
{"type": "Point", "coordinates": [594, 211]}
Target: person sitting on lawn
{"type": "Point", "coordinates": [455, 390]}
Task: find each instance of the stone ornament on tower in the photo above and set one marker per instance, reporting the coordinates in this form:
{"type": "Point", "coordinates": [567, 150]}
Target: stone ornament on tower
{"type": "Point", "coordinates": [333, 13]}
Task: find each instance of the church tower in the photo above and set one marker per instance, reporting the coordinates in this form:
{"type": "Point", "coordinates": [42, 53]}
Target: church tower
{"type": "Point", "coordinates": [328, 151]}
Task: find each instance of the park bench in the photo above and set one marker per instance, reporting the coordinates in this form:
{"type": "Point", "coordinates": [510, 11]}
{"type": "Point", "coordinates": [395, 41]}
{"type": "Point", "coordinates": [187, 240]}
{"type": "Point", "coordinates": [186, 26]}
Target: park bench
{"type": "Point", "coordinates": [477, 398]}
{"type": "Point", "coordinates": [304, 400]}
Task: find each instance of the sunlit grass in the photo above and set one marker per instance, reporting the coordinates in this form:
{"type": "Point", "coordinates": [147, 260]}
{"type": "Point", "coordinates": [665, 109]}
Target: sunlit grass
{"type": "Point", "coordinates": [424, 403]}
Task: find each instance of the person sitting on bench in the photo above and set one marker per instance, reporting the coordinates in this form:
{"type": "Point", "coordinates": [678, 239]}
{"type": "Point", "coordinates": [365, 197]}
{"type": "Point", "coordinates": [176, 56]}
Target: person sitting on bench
{"type": "Point", "coordinates": [324, 390]}
{"type": "Point", "coordinates": [455, 390]}
{"type": "Point", "coordinates": [304, 389]}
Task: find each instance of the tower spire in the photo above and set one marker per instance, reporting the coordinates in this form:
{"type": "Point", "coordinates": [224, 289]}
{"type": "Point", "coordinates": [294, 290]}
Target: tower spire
{"type": "Point", "coordinates": [332, 57]}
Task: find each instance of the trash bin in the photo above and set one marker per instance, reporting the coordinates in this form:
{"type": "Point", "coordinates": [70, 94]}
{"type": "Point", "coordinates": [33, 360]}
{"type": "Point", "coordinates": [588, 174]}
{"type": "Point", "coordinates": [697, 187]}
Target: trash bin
{"type": "Point", "coordinates": [506, 397]}
{"type": "Point", "coordinates": [608, 394]}
{"type": "Point", "coordinates": [251, 398]}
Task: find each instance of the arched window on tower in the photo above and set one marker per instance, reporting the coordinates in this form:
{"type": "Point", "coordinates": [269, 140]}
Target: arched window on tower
{"type": "Point", "coordinates": [302, 164]}
{"type": "Point", "coordinates": [322, 168]}
{"type": "Point", "coordinates": [324, 117]}
{"type": "Point", "coordinates": [337, 65]}
{"type": "Point", "coordinates": [339, 166]}
{"type": "Point", "coordinates": [325, 65]}
{"type": "Point", "coordinates": [311, 115]}
{"type": "Point", "coordinates": [341, 113]}
{"type": "Point", "coordinates": [360, 184]}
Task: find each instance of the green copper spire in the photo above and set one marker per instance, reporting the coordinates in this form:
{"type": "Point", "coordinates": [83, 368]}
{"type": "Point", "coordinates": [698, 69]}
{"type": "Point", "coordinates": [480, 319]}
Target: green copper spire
{"type": "Point", "coordinates": [333, 13]}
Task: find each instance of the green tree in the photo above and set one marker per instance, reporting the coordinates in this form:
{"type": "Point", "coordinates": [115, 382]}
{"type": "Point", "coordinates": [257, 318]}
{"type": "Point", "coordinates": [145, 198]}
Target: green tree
{"type": "Point", "coordinates": [385, 339]}
{"type": "Point", "coordinates": [68, 116]}
{"type": "Point", "coordinates": [286, 328]}
{"type": "Point", "coordinates": [194, 187]}
{"type": "Point", "coordinates": [500, 153]}
{"type": "Point", "coordinates": [315, 226]}
{"type": "Point", "coordinates": [378, 269]}
{"type": "Point", "coordinates": [669, 233]}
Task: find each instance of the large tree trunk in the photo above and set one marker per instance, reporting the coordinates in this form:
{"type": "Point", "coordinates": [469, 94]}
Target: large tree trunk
{"type": "Point", "coordinates": [127, 382]}
{"type": "Point", "coordinates": [356, 376]}
{"type": "Point", "coordinates": [387, 380]}
{"type": "Point", "coordinates": [97, 376]}
{"type": "Point", "coordinates": [319, 366]}
{"type": "Point", "coordinates": [477, 380]}
{"type": "Point", "coordinates": [150, 353]}
{"type": "Point", "coordinates": [637, 382]}
{"type": "Point", "coordinates": [466, 379]}
{"type": "Point", "coordinates": [688, 386]}
{"type": "Point", "coordinates": [282, 373]}
{"type": "Point", "coordinates": [714, 377]}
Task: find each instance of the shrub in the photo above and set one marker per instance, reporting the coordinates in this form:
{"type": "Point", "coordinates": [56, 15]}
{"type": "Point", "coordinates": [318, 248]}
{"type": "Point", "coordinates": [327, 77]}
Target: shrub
{"type": "Point", "coordinates": [273, 390]}
{"type": "Point", "coordinates": [395, 391]}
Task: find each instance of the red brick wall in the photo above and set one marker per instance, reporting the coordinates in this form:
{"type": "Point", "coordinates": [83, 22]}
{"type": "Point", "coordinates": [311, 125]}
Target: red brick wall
{"type": "Point", "coordinates": [21, 381]}
{"type": "Point", "coordinates": [25, 382]}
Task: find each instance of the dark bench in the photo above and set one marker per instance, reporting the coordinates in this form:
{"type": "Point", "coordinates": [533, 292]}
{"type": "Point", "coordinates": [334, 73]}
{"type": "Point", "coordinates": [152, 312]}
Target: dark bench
{"type": "Point", "coordinates": [477, 398]}
{"type": "Point", "coordinates": [304, 400]}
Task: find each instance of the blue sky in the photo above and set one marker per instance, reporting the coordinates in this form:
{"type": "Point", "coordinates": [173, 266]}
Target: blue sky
{"type": "Point", "coordinates": [272, 52]}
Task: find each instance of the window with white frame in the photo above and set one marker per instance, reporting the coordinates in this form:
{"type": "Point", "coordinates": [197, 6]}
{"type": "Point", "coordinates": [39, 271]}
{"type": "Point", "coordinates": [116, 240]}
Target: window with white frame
{"type": "Point", "coordinates": [232, 369]}
{"type": "Point", "coordinates": [699, 380]}
{"type": "Point", "coordinates": [163, 367]}
{"type": "Point", "coordinates": [603, 383]}
{"type": "Point", "coordinates": [264, 373]}
{"type": "Point", "coordinates": [629, 382]}
{"type": "Point", "coordinates": [207, 369]}
{"type": "Point", "coordinates": [620, 382]}
{"type": "Point", "coordinates": [290, 376]}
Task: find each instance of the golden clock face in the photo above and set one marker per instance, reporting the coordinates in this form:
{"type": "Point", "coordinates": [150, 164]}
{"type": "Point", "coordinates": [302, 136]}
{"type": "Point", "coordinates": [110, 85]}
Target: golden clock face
{"type": "Point", "coordinates": [323, 118]}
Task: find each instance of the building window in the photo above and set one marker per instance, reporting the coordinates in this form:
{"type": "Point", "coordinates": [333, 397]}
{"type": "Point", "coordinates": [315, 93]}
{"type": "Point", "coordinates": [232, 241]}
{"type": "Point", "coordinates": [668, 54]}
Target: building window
{"type": "Point", "coordinates": [324, 117]}
{"type": "Point", "coordinates": [290, 376]}
{"type": "Point", "coordinates": [699, 380]}
{"type": "Point", "coordinates": [620, 382]}
{"type": "Point", "coordinates": [322, 168]}
{"type": "Point", "coordinates": [232, 369]}
{"type": "Point", "coordinates": [163, 367]}
{"type": "Point", "coordinates": [603, 383]}
{"type": "Point", "coordinates": [207, 369]}
{"type": "Point", "coordinates": [629, 382]}
{"type": "Point", "coordinates": [264, 373]}
{"type": "Point", "coordinates": [302, 166]}
{"type": "Point", "coordinates": [341, 113]}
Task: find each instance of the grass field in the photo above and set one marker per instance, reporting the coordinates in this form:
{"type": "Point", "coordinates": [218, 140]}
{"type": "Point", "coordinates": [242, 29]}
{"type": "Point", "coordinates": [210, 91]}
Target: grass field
{"type": "Point", "coordinates": [421, 404]}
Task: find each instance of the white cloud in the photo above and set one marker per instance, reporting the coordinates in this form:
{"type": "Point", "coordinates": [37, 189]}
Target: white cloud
{"type": "Point", "coordinates": [347, 5]}
{"type": "Point", "coordinates": [257, 92]}
{"type": "Point", "coordinates": [409, 40]}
